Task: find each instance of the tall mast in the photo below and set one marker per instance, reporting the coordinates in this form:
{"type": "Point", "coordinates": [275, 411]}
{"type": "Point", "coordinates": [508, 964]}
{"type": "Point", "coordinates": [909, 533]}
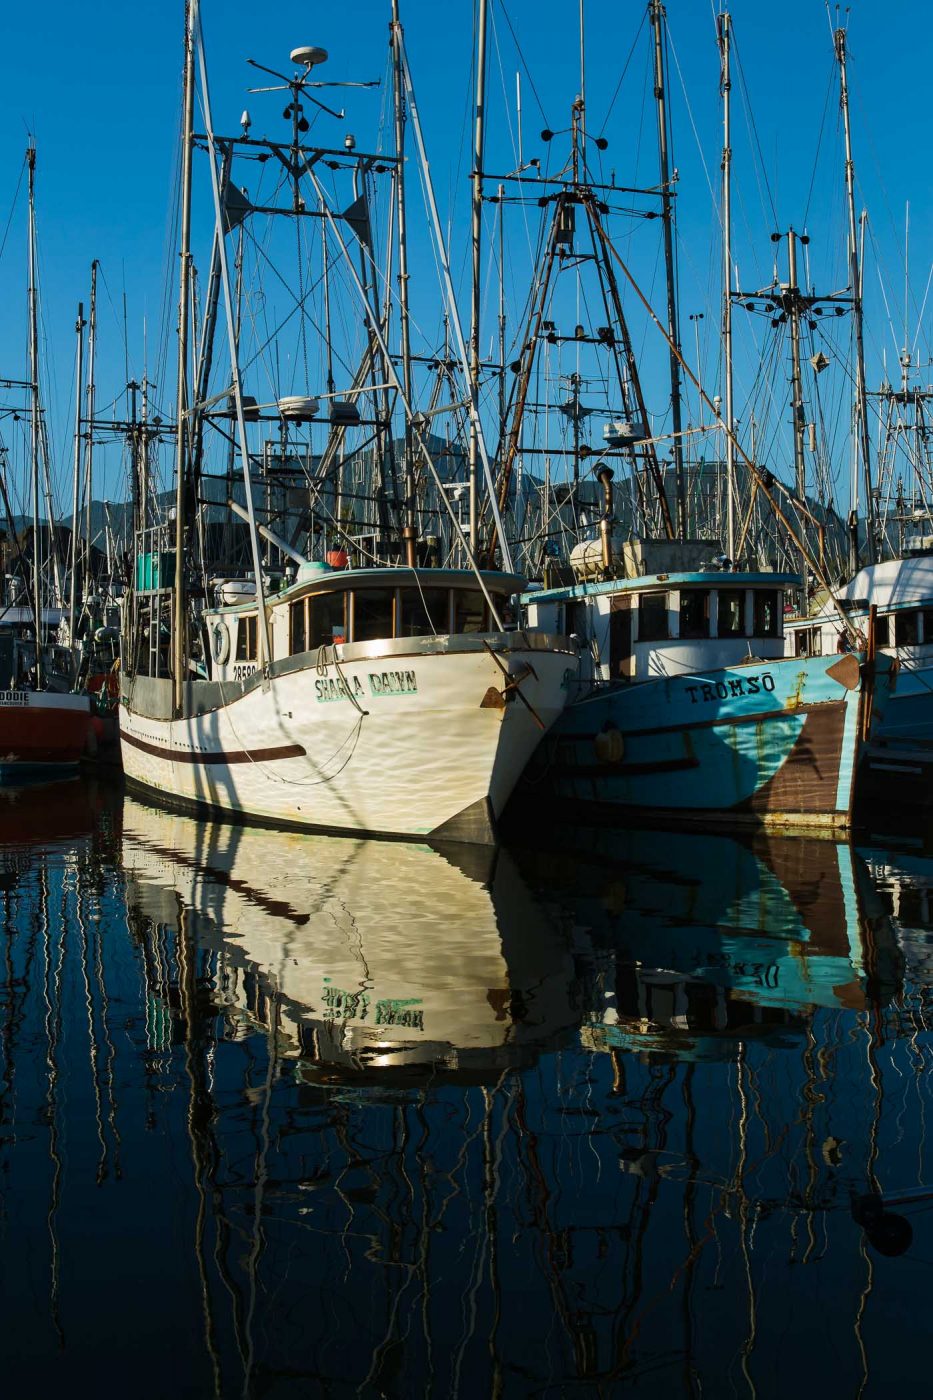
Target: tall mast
{"type": "Point", "coordinates": [34, 382]}
{"type": "Point", "coordinates": [409, 531]}
{"type": "Point", "coordinates": [725, 34]}
{"type": "Point", "coordinates": [179, 639]}
{"type": "Point", "coordinates": [855, 279]}
{"type": "Point", "coordinates": [89, 426]}
{"type": "Point", "coordinates": [797, 408]}
{"type": "Point", "coordinates": [79, 375]}
{"type": "Point", "coordinates": [656, 13]}
{"type": "Point", "coordinates": [479, 137]}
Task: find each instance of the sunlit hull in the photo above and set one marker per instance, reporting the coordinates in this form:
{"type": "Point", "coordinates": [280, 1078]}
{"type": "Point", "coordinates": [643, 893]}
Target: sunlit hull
{"type": "Point", "coordinates": [407, 738]}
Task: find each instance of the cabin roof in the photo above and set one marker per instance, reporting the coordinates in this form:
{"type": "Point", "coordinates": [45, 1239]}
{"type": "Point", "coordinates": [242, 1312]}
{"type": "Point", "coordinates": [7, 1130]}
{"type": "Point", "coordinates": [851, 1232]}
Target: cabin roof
{"type": "Point", "coordinates": [650, 582]}
{"type": "Point", "coordinates": [396, 576]}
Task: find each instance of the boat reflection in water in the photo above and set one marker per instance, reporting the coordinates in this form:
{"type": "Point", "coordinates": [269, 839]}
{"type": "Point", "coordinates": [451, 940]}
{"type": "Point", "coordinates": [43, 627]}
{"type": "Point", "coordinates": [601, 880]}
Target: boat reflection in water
{"type": "Point", "coordinates": [631, 1113]}
{"type": "Point", "coordinates": [384, 960]}
{"type": "Point", "coordinates": [696, 941]}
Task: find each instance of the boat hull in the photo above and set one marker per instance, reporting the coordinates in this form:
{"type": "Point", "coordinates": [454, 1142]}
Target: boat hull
{"type": "Point", "coordinates": [418, 737]}
{"type": "Point", "coordinates": [42, 734]}
{"type": "Point", "coordinates": [772, 743]}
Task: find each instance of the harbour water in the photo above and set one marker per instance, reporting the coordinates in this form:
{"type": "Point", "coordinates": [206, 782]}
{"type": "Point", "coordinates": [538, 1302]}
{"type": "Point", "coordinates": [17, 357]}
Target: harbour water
{"type": "Point", "coordinates": [287, 1115]}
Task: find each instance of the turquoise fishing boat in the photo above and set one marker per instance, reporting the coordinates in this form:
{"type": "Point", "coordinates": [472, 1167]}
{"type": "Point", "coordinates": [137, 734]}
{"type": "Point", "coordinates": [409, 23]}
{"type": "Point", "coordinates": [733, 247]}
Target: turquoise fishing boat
{"type": "Point", "coordinates": [686, 707]}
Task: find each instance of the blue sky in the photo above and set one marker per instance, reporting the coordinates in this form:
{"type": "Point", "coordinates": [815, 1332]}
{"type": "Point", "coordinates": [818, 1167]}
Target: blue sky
{"type": "Point", "coordinates": [99, 88]}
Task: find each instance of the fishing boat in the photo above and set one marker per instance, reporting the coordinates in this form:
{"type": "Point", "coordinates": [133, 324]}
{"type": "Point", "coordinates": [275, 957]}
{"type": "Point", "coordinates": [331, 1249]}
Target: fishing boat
{"type": "Point", "coordinates": [377, 686]}
{"type": "Point", "coordinates": [686, 705]}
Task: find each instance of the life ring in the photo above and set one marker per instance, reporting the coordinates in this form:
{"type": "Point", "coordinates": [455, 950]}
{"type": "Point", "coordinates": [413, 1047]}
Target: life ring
{"type": "Point", "coordinates": [220, 644]}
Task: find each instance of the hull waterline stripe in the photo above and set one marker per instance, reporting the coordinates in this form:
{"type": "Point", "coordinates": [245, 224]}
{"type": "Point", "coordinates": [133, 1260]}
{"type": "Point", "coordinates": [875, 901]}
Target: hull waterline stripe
{"type": "Point", "coordinates": [212, 759]}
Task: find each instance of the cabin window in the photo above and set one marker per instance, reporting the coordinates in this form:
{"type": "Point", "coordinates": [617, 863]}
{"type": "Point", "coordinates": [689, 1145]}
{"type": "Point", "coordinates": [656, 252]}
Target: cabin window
{"type": "Point", "coordinates": [766, 613]}
{"type": "Point", "coordinates": [469, 611]}
{"type": "Point", "coordinates": [246, 638]}
{"type": "Point", "coordinates": [906, 629]}
{"type": "Point", "coordinates": [373, 614]}
{"type": "Point", "coordinates": [424, 612]}
{"type": "Point", "coordinates": [928, 624]}
{"type": "Point", "coordinates": [652, 617]}
{"type": "Point", "coordinates": [297, 628]}
{"type": "Point", "coordinates": [694, 612]}
{"type": "Point", "coordinates": [808, 641]}
{"type": "Point", "coordinates": [326, 620]}
{"type": "Point", "coordinates": [732, 612]}
{"type": "Point", "coordinates": [882, 631]}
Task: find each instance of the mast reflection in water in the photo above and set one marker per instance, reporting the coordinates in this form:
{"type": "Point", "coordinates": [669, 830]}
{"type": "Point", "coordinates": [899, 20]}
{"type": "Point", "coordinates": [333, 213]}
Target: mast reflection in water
{"type": "Point", "coordinates": [287, 1115]}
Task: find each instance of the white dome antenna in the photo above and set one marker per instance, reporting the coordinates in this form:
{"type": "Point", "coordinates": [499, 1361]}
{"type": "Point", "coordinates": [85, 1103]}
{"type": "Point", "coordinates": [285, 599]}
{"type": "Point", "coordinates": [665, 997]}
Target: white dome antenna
{"type": "Point", "coordinates": [309, 57]}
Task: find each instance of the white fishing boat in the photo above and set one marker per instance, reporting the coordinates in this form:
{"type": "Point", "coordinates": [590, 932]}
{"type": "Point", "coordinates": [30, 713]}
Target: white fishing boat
{"type": "Point", "coordinates": [379, 712]}
{"type": "Point", "coordinates": [382, 691]}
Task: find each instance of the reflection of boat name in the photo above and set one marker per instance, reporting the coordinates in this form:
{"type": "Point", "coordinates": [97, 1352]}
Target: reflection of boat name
{"type": "Point", "coordinates": [393, 1012]}
{"type": "Point", "coordinates": [348, 1005]}
{"type": "Point", "coordinates": [393, 683]}
{"type": "Point", "coordinates": [13, 697]}
{"type": "Point", "coordinates": [728, 690]}
{"type": "Point", "coordinates": [390, 1011]}
{"type": "Point", "coordinates": [762, 974]}
{"type": "Point", "coordinates": [338, 689]}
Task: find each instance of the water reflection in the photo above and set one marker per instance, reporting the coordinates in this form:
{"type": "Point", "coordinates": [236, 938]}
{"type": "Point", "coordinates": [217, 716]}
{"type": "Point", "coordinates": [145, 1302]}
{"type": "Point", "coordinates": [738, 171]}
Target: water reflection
{"type": "Point", "coordinates": [378, 961]}
{"type": "Point", "coordinates": [608, 1113]}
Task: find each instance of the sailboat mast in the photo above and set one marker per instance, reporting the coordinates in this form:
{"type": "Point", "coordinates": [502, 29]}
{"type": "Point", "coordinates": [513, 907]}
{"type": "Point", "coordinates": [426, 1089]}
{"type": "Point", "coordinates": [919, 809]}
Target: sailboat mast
{"type": "Point", "coordinates": [855, 279]}
{"type": "Point", "coordinates": [34, 382]}
{"type": "Point", "coordinates": [409, 530]}
{"type": "Point", "coordinates": [79, 376]}
{"type": "Point", "coordinates": [179, 639]}
{"type": "Point", "coordinates": [656, 13]}
{"type": "Point", "coordinates": [725, 34]}
{"type": "Point", "coordinates": [479, 140]}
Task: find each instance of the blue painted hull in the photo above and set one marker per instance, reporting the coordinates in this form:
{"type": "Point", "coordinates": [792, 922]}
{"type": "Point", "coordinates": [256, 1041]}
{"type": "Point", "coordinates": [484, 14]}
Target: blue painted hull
{"type": "Point", "coordinates": [775, 742]}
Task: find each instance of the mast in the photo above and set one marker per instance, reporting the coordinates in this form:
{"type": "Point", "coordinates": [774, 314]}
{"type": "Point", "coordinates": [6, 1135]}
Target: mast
{"type": "Point", "coordinates": [34, 383]}
{"type": "Point", "coordinates": [656, 13]}
{"type": "Point", "coordinates": [855, 279]}
{"type": "Point", "coordinates": [409, 530]}
{"type": "Point", "coordinates": [79, 374]}
{"type": "Point", "coordinates": [179, 638]}
{"type": "Point", "coordinates": [725, 33]}
{"type": "Point", "coordinates": [502, 321]}
{"type": "Point", "coordinates": [479, 138]}
{"type": "Point", "coordinates": [89, 423]}
{"type": "Point", "coordinates": [800, 477]}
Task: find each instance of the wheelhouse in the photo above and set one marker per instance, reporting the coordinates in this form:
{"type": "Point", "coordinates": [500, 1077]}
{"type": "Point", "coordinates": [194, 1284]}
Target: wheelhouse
{"type": "Point", "coordinates": [667, 624]}
{"type": "Point", "coordinates": [338, 607]}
